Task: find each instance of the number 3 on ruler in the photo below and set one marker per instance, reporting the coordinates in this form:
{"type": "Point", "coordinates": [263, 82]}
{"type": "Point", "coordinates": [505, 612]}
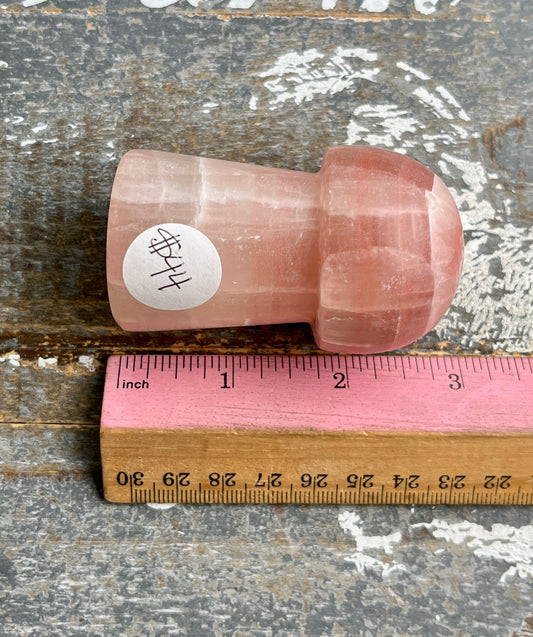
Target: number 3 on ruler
{"type": "Point", "coordinates": [456, 383]}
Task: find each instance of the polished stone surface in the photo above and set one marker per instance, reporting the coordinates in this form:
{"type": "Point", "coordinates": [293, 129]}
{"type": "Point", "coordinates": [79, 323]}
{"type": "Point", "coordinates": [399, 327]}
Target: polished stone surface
{"type": "Point", "coordinates": [368, 250]}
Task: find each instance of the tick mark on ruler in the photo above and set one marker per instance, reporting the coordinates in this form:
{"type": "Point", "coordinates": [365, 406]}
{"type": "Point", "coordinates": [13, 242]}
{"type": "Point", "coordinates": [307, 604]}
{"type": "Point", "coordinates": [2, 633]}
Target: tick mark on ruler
{"type": "Point", "coordinates": [119, 368]}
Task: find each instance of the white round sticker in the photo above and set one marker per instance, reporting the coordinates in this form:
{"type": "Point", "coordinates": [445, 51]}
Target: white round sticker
{"type": "Point", "coordinates": [172, 266]}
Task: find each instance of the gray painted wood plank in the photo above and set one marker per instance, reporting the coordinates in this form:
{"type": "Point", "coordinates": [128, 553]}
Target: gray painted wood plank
{"type": "Point", "coordinates": [73, 565]}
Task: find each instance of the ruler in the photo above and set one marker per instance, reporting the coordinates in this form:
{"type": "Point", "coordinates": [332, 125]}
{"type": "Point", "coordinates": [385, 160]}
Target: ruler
{"type": "Point", "coordinates": [318, 429]}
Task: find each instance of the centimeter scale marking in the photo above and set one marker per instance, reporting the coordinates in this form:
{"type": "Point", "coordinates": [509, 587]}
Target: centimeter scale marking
{"type": "Point", "coordinates": [318, 429]}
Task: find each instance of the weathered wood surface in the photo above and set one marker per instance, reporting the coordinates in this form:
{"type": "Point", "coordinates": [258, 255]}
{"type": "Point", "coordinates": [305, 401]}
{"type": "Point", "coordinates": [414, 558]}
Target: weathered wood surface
{"type": "Point", "coordinates": [271, 82]}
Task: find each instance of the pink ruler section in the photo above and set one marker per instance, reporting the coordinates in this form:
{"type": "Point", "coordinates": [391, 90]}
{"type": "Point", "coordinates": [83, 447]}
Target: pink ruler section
{"type": "Point", "coordinates": [327, 393]}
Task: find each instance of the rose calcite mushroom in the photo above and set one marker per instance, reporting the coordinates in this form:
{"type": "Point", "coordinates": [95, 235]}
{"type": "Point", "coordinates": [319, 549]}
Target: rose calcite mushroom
{"type": "Point", "coordinates": [368, 250]}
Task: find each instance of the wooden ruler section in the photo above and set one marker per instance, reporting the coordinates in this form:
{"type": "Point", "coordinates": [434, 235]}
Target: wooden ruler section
{"type": "Point", "coordinates": [195, 466]}
{"type": "Point", "coordinates": [318, 430]}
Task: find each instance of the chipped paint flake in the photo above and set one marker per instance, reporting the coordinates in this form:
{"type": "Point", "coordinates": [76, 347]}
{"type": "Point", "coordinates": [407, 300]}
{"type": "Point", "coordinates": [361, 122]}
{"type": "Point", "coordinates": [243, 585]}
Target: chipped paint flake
{"type": "Point", "coordinates": [241, 4]}
{"type": "Point", "coordinates": [410, 69]}
{"type": "Point", "coordinates": [161, 506]}
{"type": "Point", "coordinates": [328, 4]}
{"type": "Point", "coordinates": [434, 102]}
{"type": "Point", "coordinates": [159, 4]}
{"type": "Point", "coordinates": [40, 127]}
{"type": "Point", "coordinates": [358, 52]}
{"type": "Point", "coordinates": [372, 550]}
{"type": "Point", "coordinates": [44, 363]}
{"type": "Point", "coordinates": [12, 358]}
{"type": "Point", "coordinates": [426, 7]}
{"type": "Point", "coordinates": [375, 6]}
{"type": "Point", "coordinates": [207, 107]}
{"type": "Point", "coordinates": [87, 362]}
{"type": "Point", "coordinates": [445, 93]}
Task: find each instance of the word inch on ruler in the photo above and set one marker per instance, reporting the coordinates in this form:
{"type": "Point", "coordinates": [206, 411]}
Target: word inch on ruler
{"type": "Point", "coordinates": [318, 429]}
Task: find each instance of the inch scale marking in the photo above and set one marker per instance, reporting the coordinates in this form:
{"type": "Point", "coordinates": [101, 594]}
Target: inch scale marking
{"type": "Point", "coordinates": [318, 429]}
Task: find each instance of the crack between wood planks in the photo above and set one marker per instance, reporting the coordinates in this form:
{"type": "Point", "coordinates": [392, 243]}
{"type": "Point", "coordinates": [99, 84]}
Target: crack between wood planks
{"type": "Point", "coordinates": [58, 471]}
{"type": "Point", "coordinates": [43, 424]}
{"type": "Point", "coordinates": [93, 12]}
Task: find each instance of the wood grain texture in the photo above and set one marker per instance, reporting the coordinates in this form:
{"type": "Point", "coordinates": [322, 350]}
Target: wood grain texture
{"type": "Point", "coordinates": [81, 83]}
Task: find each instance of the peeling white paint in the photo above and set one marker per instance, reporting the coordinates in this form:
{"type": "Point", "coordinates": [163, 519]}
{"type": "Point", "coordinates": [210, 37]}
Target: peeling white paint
{"type": "Point", "coordinates": [372, 550]}
{"type": "Point", "coordinates": [502, 542]}
{"type": "Point", "coordinates": [513, 546]}
{"type": "Point", "coordinates": [451, 100]}
{"type": "Point", "coordinates": [44, 363]}
{"type": "Point", "coordinates": [426, 7]}
{"type": "Point", "coordinates": [300, 77]}
{"type": "Point", "coordinates": [381, 125]}
{"type": "Point", "coordinates": [473, 173]}
{"type": "Point", "coordinates": [241, 4]}
{"type": "Point", "coordinates": [83, 365]}
{"type": "Point", "coordinates": [3, 64]}
{"type": "Point", "coordinates": [12, 358]}
{"type": "Point", "coordinates": [328, 4]}
{"type": "Point", "coordinates": [31, 3]}
{"type": "Point", "coordinates": [87, 362]}
{"type": "Point", "coordinates": [358, 52]}
{"type": "Point", "coordinates": [375, 6]}
{"type": "Point", "coordinates": [410, 69]}
{"type": "Point", "coordinates": [209, 106]}
{"type": "Point", "coordinates": [161, 506]}
{"type": "Point", "coordinates": [159, 4]}
{"type": "Point", "coordinates": [434, 102]}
